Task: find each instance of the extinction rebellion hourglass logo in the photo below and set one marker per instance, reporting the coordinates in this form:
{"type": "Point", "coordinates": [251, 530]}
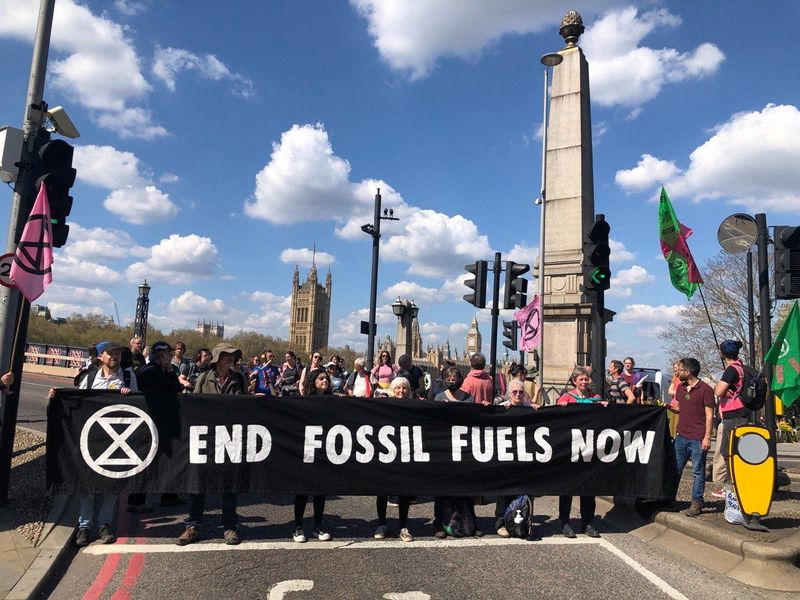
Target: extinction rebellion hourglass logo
{"type": "Point", "coordinates": [107, 441]}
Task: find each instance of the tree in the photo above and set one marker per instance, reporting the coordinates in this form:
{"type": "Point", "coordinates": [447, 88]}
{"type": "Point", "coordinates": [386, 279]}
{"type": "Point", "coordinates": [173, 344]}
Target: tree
{"type": "Point", "coordinates": [725, 292]}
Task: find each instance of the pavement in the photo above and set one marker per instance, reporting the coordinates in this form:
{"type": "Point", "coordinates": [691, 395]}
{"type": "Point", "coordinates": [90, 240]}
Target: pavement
{"type": "Point", "coordinates": [768, 561]}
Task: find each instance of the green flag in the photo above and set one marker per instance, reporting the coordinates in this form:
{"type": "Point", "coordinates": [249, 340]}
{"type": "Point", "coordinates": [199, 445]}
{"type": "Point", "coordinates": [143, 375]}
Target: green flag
{"type": "Point", "coordinates": [683, 271]}
{"type": "Point", "coordinates": [785, 355]}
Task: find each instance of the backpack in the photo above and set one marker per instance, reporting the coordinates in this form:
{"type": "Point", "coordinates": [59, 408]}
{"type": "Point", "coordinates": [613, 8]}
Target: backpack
{"type": "Point", "coordinates": [457, 519]}
{"type": "Point", "coordinates": [517, 517]}
{"type": "Point", "coordinates": [752, 387]}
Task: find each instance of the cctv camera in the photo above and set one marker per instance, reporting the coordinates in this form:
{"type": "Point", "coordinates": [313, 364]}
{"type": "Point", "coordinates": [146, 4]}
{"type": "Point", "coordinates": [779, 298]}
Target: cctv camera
{"type": "Point", "coordinates": [62, 123]}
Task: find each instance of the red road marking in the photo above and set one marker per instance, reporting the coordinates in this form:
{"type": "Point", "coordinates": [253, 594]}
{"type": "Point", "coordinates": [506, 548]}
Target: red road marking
{"type": "Point", "coordinates": [135, 566]}
{"type": "Point", "coordinates": [103, 578]}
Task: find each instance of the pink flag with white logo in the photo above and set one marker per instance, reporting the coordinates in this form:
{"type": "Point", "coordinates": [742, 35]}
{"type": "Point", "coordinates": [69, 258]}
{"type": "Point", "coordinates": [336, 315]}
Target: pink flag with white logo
{"type": "Point", "coordinates": [31, 269]}
{"type": "Point", "coordinates": [530, 324]}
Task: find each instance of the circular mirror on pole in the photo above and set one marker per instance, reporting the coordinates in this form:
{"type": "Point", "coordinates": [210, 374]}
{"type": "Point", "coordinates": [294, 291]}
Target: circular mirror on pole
{"type": "Point", "coordinates": [737, 233]}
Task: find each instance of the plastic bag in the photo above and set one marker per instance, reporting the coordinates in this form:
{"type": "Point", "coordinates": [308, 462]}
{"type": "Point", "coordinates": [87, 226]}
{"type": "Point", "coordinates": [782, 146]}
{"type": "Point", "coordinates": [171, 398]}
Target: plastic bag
{"type": "Point", "coordinates": [733, 514]}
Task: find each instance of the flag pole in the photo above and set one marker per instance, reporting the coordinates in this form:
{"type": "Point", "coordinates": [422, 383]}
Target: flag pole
{"type": "Point", "coordinates": [714, 333]}
{"type": "Point", "coordinates": [22, 314]}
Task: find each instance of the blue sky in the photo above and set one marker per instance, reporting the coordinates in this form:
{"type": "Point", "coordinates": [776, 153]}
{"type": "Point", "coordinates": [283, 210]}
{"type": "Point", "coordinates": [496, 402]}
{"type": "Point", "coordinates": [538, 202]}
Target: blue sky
{"type": "Point", "coordinates": [218, 146]}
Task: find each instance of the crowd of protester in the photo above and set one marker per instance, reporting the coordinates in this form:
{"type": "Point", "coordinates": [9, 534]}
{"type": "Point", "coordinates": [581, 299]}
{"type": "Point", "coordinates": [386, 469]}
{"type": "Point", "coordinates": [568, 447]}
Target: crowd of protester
{"type": "Point", "coordinates": [223, 370]}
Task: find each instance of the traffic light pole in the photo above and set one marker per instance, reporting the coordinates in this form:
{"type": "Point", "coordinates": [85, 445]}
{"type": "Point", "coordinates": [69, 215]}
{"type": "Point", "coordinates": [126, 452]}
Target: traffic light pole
{"type": "Point", "coordinates": [599, 344]}
{"type": "Point", "coordinates": [14, 310]}
{"type": "Point", "coordinates": [765, 308]}
{"type": "Point", "coordinates": [495, 315]}
{"type": "Point", "coordinates": [373, 291]}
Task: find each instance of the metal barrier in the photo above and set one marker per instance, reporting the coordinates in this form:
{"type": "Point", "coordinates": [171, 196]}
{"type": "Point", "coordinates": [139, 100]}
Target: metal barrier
{"type": "Point", "coordinates": [70, 357]}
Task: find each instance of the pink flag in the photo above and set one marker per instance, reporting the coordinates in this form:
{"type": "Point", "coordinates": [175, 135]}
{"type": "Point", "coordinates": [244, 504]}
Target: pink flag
{"type": "Point", "coordinates": [30, 270]}
{"type": "Point", "coordinates": [530, 323]}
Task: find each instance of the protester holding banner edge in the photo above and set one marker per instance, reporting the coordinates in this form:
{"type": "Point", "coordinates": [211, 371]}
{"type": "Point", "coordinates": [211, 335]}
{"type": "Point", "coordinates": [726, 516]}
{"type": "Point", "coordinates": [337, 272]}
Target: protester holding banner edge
{"type": "Point", "coordinates": [318, 383]}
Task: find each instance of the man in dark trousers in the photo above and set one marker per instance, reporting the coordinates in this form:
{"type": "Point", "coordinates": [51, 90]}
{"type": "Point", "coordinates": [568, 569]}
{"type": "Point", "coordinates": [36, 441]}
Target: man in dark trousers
{"type": "Point", "coordinates": [157, 377]}
{"type": "Point", "coordinates": [694, 401]}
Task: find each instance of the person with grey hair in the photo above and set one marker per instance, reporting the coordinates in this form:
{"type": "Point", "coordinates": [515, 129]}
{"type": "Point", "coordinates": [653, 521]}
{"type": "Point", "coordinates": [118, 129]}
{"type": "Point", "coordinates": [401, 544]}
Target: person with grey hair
{"type": "Point", "coordinates": [582, 380]}
{"type": "Point", "coordinates": [399, 388]}
{"type": "Point", "coordinates": [358, 384]}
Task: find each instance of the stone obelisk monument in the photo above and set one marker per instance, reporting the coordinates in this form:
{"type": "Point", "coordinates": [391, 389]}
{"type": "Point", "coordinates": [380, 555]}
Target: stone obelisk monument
{"type": "Point", "coordinates": [569, 185]}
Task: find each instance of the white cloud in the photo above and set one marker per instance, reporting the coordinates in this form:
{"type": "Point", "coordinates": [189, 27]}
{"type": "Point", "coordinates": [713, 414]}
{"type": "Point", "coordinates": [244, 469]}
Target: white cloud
{"type": "Point", "coordinates": [169, 178]}
{"type": "Point", "coordinates": [623, 282]}
{"type": "Point", "coordinates": [305, 181]}
{"type": "Point", "coordinates": [189, 304]}
{"type": "Point", "coordinates": [107, 167]}
{"type": "Point", "coordinates": [141, 206]}
{"type": "Point", "coordinates": [91, 61]}
{"type": "Point", "coordinates": [99, 243]}
{"type": "Point", "coordinates": [637, 313]}
{"type": "Point", "coordinates": [626, 74]}
{"type": "Point", "coordinates": [412, 291]}
{"type": "Point", "coordinates": [413, 36]}
{"type": "Point", "coordinates": [750, 160]}
{"type": "Point", "coordinates": [524, 254]}
{"type": "Point", "coordinates": [619, 253]}
{"type": "Point", "coordinates": [61, 309]}
{"type": "Point", "coordinates": [647, 172]}
{"type": "Point", "coordinates": [177, 260]}
{"type": "Point", "coordinates": [169, 62]}
{"type": "Point", "coordinates": [129, 8]}
{"type": "Point", "coordinates": [305, 257]}
{"type": "Point", "coordinates": [80, 296]}
{"type": "Point", "coordinates": [348, 329]}
{"type": "Point", "coordinates": [70, 270]}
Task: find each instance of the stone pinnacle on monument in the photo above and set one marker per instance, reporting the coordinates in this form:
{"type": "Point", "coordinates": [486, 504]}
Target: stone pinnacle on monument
{"type": "Point", "coordinates": [571, 28]}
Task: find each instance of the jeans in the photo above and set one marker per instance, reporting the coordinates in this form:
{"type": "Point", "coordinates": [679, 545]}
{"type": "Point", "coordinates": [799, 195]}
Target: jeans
{"type": "Point", "coordinates": [685, 448]}
{"type": "Point", "coordinates": [197, 503]}
{"type": "Point", "coordinates": [728, 425]}
{"type": "Point", "coordinates": [105, 512]}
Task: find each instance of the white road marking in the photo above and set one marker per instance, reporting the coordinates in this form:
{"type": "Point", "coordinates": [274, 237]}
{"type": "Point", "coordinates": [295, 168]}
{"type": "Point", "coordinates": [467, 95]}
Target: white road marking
{"type": "Point", "coordinates": [643, 571]}
{"type": "Point", "coordinates": [280, 589]}
{"type": "Point", "coordinates": [103, 549]}
{"type": "Point", "coordinates": [416, 595]}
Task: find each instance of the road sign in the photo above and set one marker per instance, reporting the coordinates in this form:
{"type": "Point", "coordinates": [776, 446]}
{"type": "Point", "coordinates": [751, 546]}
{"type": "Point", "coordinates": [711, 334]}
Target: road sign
{"type": "Point", "coordinates": [5, 270]}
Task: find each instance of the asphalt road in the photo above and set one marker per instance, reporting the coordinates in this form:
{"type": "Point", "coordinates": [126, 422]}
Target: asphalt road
{"type": "Point", "coordinates": [146, 563]}
{"type": "Point", "coordinates": [32, 411]}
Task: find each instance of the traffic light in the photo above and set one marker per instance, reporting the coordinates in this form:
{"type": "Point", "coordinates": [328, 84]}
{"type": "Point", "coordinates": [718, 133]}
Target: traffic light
{"type": "Point", "coordinates": [58, 175]}
{"type": "Point", "coordinates": [510, 333]}
{"type": "Point", "coordinates": [516, 286]}
{"type": "Point", "coordinates": [787, 262]}
{"type": "Point", "coordinates": [478, 297]}
{"type": "Point", "coordinates": [596, 252]}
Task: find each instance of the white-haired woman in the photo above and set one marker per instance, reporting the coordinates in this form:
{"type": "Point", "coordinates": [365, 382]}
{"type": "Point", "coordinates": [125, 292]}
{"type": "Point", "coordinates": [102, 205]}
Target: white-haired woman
{"type": "Point", "coordinates": [358, 384]}
{"type": "Point", "coordinates": [399, 388]}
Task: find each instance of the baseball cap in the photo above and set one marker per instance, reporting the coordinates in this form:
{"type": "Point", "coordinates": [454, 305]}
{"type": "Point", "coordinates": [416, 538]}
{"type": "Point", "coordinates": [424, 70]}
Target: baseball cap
{"type": "Point", "coordinates": [160, 347]}
{"type": "Point", "coordinates": [107, 347]}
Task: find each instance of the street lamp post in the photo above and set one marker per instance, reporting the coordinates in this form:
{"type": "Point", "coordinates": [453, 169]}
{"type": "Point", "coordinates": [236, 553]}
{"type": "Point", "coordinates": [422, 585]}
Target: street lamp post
{"type": "Point", "coordinates": [374, 229]}
{"type": "Point", "coordinates": [406, 311]}
{"type": "Point", "coordinates": [142, 305]}
{"type": "Point", "coordinates": [548, 60]}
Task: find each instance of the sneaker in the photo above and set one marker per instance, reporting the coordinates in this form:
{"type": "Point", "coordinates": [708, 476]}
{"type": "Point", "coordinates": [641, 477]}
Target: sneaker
{"type": "Point", "coordinates": [299, 536]}
{"type": "Point", "coordinates": [189, 536]}
{"type": "Point", "coordinates": [231, 537]}
{"type": "Point", "coordinates": [380, 532]}
{"type": "Point", "coordinates": [695, 508]}
{"type": "Point", "coordinates": [321, 534]}
{"type": "Point", "coordinates": [439, 534]}
{"type": "Point", "coordinates": [718, 492]}
{"type": "Point", "coordinates": [83, 538]}
{"type": "Point", "coordinates": [590, 531]}
{"type": "Point", "coordinates": [405, 535]}
{"type": "Point", "coordinates": [568, 532]}
{"type": "Point", "coordinates": [533, 537]}
{"type": "Point", "coordinates": [138, 508]}
{"type": "Point", "coordinates": [478, 533]}
{"type": "Point", "coordinates": [106, 537]}
{"type": "Point", "coordinates": [503, 532]}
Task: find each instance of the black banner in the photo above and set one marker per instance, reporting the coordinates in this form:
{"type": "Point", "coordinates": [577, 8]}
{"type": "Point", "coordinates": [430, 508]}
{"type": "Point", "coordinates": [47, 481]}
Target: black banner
{"type": "Point", "coordinates": [105, 442]}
